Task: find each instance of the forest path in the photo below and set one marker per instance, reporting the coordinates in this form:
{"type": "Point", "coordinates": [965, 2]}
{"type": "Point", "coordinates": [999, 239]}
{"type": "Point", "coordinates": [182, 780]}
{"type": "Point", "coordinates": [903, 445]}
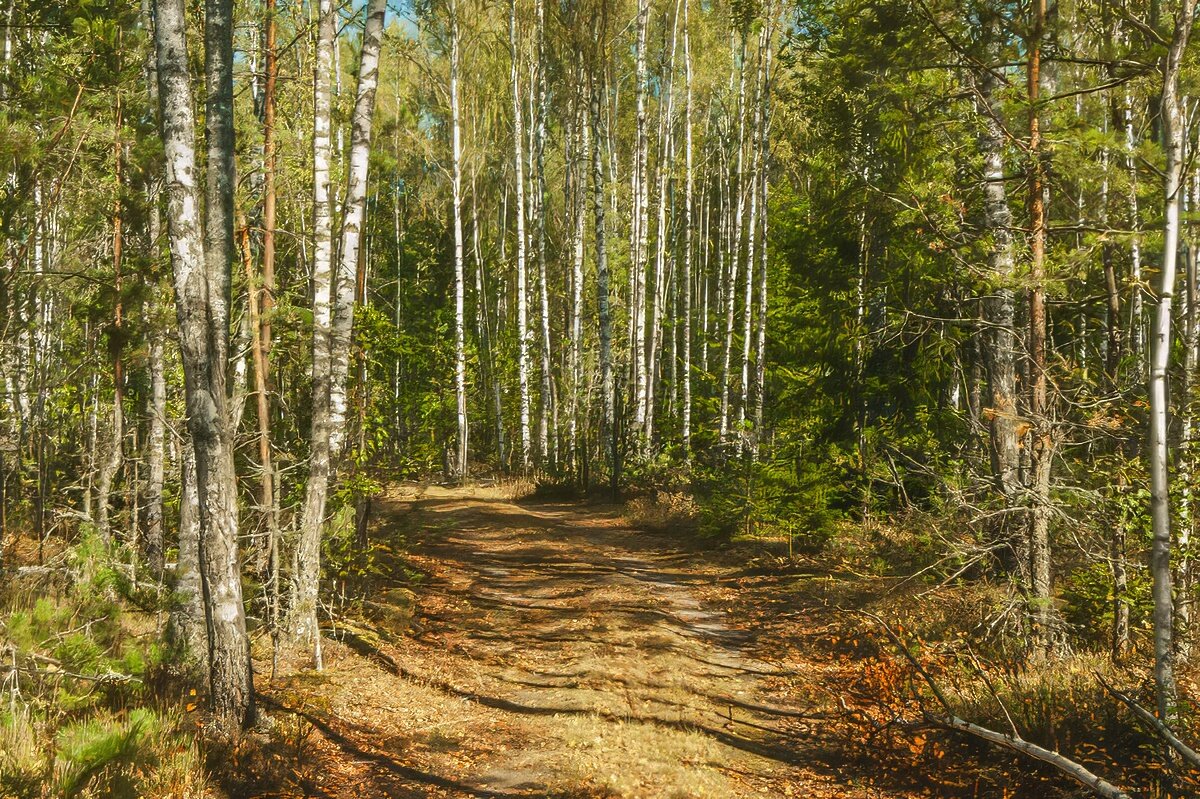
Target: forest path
{"type": "Point", "coordinates": [558, 653]}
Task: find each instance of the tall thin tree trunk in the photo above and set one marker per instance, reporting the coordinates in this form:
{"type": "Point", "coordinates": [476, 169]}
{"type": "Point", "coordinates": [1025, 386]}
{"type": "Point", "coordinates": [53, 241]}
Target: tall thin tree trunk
{"type": "Point", "coordinates": [760, 359]}
{"type": "Point", "coordinates": [153, 540]}
{"type": "Point", "coordinates": [685, 282]}
{"type": "Point", "coordinates": [1120, 573]}
{"type": "Point", "coordinates": [153, 543]}
{"type": "Point", "coordinates": [268, 488]}
{"type": "Point", "coordinates": [186, 623]}
{"type": "Point", "coordinates": [267, 290]}
{"type": "Point", "coordinates": [752, 186]}
{"type": "Point", "coordinates": [201, 297]}
{"type": "Point", "coordinates": [116, 448]}
{"type": "Point", "coordinates": [735, 208]}
{"type": "Point", "coordinates": [307, 557]}
{"type": "Point", "coordinates": [548, 419]}
{"type": "Point", "coordinates": [1112, 289]}
{"type": "Point", "coordinates": [1000, 350]}
{"type": "Point", "coordinates": [353, 225]}
{"type": "Point", "coordinates": [1042, 451]}
{"type": "Point", "coordinates": [704, 277]}
{"type": "Point", "coordinates": [639, 221]}
{"type": "Point", "coordinates": [579, 171]}
{"type": "Point", "coordinates": [522, 277]}
{"type": "Point", "coordinates": [266, 495]}
{"type": "Point", "coordinates": [1183, 577]}
{"type": "Point", "coordinates": [486, 337]}
{"type": "Point", "coordinates": [665, 156]}
{"type": "Point", "coordinates": [460, 350]}
{"type": "Point", "coordinates": [608, 397]}
{"type": "Point", "coordinates": [1137, 322]}
{"type": "Point", "coordinates": [1173, 130]}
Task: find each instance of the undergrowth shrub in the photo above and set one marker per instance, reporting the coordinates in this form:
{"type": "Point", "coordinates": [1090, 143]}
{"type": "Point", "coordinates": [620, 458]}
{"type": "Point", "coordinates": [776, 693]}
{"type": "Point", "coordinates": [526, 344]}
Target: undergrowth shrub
{"type": "Point", "coordinates": [1059, 704]}
{"type": "Point", "coordinates": [89, 712]}
{"type": "Point", "coordinates": [794, 501]}
{"type": "Point", "coordinates": [1088, 602]}
{"type": "Point", "coordinates": [549, 489]}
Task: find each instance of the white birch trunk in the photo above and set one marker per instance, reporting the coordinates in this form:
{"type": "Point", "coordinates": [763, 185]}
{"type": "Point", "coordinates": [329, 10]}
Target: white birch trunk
{"type": "Point", "coordinates": [186, 622]}
{"type": "Point", "coordinates": [155, 444]}
{"type": "Point", "coordinates": [666, 155]}
{"type": "Point", "coordinates": [1160, 353]}
{"type": "Point", "coordinates": [760, 361]}
{"type": "Point", "coordinates": [735, 209]}
{"type": "Point", "coordinates": [353, 225]}
{"type": "Point", "coordinates": [306, 570]}
{"type": "Point", "coordinates": [522, 277]}
{"type": "Point", "coordinates": [201, 297]}
{"type": "Point", "coordinates": [579, 171]}
{"type": "Point", "coordinates": [1137, 321]}
{"type": "Point", "coordinates": [460, 351]}
{"type": "Point", "coordinates": [548, 419]}
{"type": "Point", "coordinates": [751, 237]}
{"type": "Point", "coordinates": [685, 282]}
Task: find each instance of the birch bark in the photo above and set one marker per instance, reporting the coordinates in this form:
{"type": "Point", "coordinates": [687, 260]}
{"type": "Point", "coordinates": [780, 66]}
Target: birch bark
{"type": "Point", "coordinates": [307, 557]}
{"type": "Point", "coordinates": [522, 277]}
{"type": "Point", "coordinates": [460, 351]}
{"type": "Point", "coordinates": [1173, 129]}
{"type": "Point", "coordinates": [201, 299]}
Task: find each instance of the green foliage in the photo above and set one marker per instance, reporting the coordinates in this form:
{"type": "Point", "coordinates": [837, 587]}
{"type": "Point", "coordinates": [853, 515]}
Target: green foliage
{"type": "Point", "coordinates": [773, 497]}
{"type": "Point", "coordinates": [100, 752]}
{"type": "Point", "coordinates": [115, 755]}
{"type": "Point", "coordinates": [343, 555]}
{"type": "Point", "coordinates": [84, 723]}
{"type": "Point", "coordinates": [1089, 598]}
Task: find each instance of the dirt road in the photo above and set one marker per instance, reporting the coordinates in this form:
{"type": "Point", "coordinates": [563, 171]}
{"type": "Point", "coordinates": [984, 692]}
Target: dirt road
{"type": "Point", "coordinates": [556, 653]}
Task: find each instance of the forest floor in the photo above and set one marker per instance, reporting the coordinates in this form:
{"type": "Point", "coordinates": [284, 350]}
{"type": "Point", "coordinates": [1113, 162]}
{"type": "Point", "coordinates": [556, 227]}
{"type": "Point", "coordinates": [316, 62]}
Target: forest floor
{"type": "Point", "coordinates": [553, 651]}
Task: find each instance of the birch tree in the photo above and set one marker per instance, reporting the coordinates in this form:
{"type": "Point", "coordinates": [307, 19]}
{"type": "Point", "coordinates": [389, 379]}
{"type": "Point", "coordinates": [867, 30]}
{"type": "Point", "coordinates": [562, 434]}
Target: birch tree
{"type": "Point", "coordinates": [1174, 132]}
{"type": "Point", "coordinates": [522, 275]}
{"type": "Point", "coordinates": [201, 299]}
{"type": "Point", "coordinates": [306, 564]}
{"type": "Point", "coordinates": [460, 353]}
{"type": "Point", "coordinates": [350, 249]}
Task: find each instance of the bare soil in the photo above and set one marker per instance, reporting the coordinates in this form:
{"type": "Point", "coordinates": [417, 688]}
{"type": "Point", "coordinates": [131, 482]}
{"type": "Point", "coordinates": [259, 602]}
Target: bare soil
{"type": "Point", "coordinates": [555, 652]}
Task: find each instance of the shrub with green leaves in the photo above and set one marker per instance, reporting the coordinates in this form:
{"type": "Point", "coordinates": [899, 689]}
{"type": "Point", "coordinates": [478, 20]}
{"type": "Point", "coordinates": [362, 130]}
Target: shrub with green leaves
{"type": "Point", "coordinates": [81, 720]}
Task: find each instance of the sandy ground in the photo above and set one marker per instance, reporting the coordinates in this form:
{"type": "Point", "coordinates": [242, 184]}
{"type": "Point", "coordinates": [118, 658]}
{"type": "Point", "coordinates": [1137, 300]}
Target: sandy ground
{"type": "Point", "coordinates": [554, 652]}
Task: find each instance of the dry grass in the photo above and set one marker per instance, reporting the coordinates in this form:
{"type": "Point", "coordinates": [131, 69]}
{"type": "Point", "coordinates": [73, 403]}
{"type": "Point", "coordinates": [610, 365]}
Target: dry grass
{"type": "Point", "coordinates": [511, 488]}
{"type": "Point", "coordinates": [637, 760]}
{"type": "Point", "coordinates": [664, 512]}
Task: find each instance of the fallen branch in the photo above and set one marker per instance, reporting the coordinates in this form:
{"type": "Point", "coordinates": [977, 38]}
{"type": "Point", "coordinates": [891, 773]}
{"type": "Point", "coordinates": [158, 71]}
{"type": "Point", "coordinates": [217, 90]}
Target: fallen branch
{"type": "Point", "coordinates": [1064, 765]}
{"type": "Point", "coordinates": [1098, 785]}
{"type": "Point", "coordinates": [106, 678]}
{"type": "Point", "coordinates": [1155, 723]}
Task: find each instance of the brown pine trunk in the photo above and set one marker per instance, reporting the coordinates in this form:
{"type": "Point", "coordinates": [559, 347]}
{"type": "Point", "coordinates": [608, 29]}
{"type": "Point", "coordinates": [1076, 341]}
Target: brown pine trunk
{"type": "Point", "coordinates": [1042, 451]}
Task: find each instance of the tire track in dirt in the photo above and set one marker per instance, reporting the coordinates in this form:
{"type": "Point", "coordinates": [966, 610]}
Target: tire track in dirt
{"type": "Point", "coordinates": [560, 654]}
